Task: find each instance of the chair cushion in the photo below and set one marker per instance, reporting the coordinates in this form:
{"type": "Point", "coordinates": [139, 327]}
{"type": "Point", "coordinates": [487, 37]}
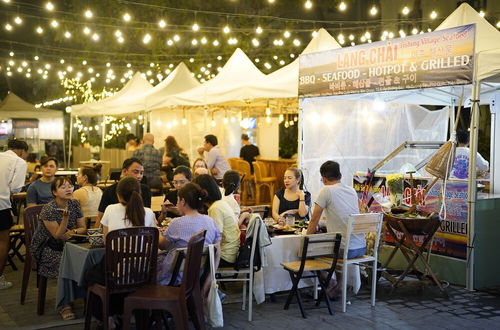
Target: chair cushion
{"type": "Point", "coordinates": [310, 265]}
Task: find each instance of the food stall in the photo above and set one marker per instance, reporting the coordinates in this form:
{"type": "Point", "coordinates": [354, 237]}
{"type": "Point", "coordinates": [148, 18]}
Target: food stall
{"type": "Point", "coordinates": [364, 83]}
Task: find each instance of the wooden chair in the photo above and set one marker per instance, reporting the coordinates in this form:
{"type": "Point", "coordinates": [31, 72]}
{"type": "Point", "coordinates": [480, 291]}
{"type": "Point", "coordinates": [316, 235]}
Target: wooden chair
{"type": "Point", "coordinates": [247, 183]}
{"type": "Point", "coordinates": [233, 162]}
{"type": "Point", "coordinates": [176, 300]}
{"type": "Point", "coordinates": [31, 221]}
{"type": "Point", "coordinates": [361, 224]}
{"type": "Point", "coordinates": [16, 237]}
{"type": "Point", "coordinates": [314, 246]}
{"type": "Point", "coordinates": [261, 181]}
{"type": "Point", "coordinates": [130, 263]}
{"type": "Point", "coordinates": [229, 274]}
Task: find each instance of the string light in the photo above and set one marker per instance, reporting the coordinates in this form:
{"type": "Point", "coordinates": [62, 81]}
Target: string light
{"type": "Point", "coordinates": [88, 13]}
{"type": "Point", "coordinates": [67, 34]}
{"type": "Point", "coordinates": [147, 38]}
{"type": "Point", "coordinates": [49, 6]}
{"type": "Point", "coordinates": [177, 38]}
{"type": "Point", "coordinates": [286, 34]}
{"type": "Point", "coordinates": [54, 24]}
{"type": "Point", "coordinates": [498, 24]}
{"type": "Point", "coordinates": [8, 27]}
{"type": "Point", "coordinates": [18, 20]}
{"type": "Point", "coordinates": [127, 17]}
{"type": "Point", "coordinates": [203, 40]}
{"type": "Point", "coordinates": [405, 11]}
{"type": "Point", "coordinates": [95, 37]}
{"type": "Point", "coordinates": [373, 11]}
{"type": "Point", "coordinates": [215, 43]}
{"type": "Point", "coordinates": [86, 30]}
{"type": "Point", "coordinates": [258, 30]}
{"type": "Point", "coordinates": [482, 13]}
{"type": "Point", "coordinates": [226, 29]}
{"type": "Point", "coordinates": [342, 6]}
{"type": "Point", "coordinates": [195, 27]}
{"type": "Point", "coordinates": [296, 42]}
{"type": "Point", "coordinates": [308, 4]}
{"type": "Point", "coordinates": [255, 42]}
{"type": "Point", "coordinates": [162, 24]}
{"type": "Point", "coordinates": [39, 30]}
{"type": "Point", "coordinates": [433, 15]}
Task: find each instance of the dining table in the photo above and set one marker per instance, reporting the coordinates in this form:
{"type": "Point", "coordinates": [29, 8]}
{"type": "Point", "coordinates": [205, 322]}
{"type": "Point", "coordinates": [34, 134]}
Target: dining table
{"type": "Point", "coordinates": [76, 259]}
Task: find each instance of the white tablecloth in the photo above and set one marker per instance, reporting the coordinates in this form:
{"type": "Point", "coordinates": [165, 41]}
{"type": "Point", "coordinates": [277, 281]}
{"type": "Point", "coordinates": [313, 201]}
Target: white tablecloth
{"type": "Point", "coordinates": [274, 278]}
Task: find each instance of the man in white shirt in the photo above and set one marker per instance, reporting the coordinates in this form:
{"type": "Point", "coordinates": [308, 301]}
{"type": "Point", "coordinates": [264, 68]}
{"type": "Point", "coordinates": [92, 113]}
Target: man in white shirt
{"type": "Point", "coordinates": [337, 201]}
{"type": "Point", "coordinates": [12, 176]}
{"type": "Point", "coordinates": [216, 162]}
{"type": "Point", "coordinates": [460, 168]}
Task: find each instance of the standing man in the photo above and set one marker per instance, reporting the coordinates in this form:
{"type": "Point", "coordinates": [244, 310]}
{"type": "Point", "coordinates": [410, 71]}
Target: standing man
{"type": "Point", "coordinates": [460, 168]}
{"type": "Point", "coordinates": [151, 158]}
{"type": "Point", "coordinates": [216, 162]}
{"type": "Point", "coordinates": [12, 177]}
{"type": "Point", "coordinates": [131, 167]}
{"type": "Point", "coordinates": [248, 152]}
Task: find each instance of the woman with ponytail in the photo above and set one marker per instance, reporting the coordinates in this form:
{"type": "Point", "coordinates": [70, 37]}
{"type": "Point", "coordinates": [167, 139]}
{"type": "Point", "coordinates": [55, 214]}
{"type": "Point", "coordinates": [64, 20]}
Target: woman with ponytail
{"type": "Point", "coordinates": [130, 211]}
{"type": "Point", "coordinates": [189, 201]}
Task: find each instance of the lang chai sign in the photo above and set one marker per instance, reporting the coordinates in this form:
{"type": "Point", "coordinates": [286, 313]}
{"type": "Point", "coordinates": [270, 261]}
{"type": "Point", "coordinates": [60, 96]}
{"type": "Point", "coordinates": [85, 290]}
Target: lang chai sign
{"type": "Point", "coordinates": [440, 58]}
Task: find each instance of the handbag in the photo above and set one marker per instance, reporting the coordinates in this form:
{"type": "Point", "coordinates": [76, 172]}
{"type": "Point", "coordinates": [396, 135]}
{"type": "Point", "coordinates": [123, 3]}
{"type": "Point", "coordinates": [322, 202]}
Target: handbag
{"type": "Point", "coordinates": [213, 305]}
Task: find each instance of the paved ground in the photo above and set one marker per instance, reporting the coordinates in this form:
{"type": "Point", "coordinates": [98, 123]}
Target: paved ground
{"type": "Point", "coordinates": [407, 308]}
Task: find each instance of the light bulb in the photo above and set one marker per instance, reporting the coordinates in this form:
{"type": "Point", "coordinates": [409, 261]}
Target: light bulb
{"type": "Point", "coordinates": [118, 33]}
{"type": "Point", "coordinates": [162, 23]}
{"type": "Point", "coordinates": [342, 6]}
{"type": "Point", "coordinates": [120, 40]}
{"type": "Point", "coordinates": [314, 34]}
{"type": "Point", "coordinates": [226, 29]}
{"type": "Point", "coordinates": [86, 30]}
{"type": "Point", "coordinates": [226, 120]}
{"type": "Point", "coordinates": [67, 34]}
{"type": "Point", "coordinates": [286, 34]}
{"type": "Point", "coordinates": [255, 42]}
{"type": "Point", "coordinates": [215, 43]}
{"type": "Point", "coordinates": [147, 38]}
{"type": "Point", "coordinates": [280, 118]}
{"type": "Point", "coordinates": [54, 24]}
{"type": "Point", "coordinates": [268, 119]}
{"type": "Point", "coordinates": [195, 27]}
{"type": "Point", "coordinates": [405, 10]}
{"type": "Point", "coordinates": [308, 4]}
{"type": "Point", "coordinates": [268, 111]}
{"type": "Point", "coordinates": [39, 30]}
{"type": "Point", "coordinates": [88, 13]}
{"type": "Point", "coordinates": [287, 124]}
{"type": "Point", "coordinates": [481, 13]}
{"type": "Point", "coordinates": [203, 40]}
{"type": "Point", "coordinates": [49, 6]}
{"type": "Point", "coordinates": [177, 38]}
{"type": "Point", "coordinates": [194, 42]}
{"type": "Point", "coordinates": [258, 30]}
{"type": "Point", "coordinates": [213, 123]}
{"type": "Point", "coordinates": [498, 24]}
{"type": "Point", "coordinates": [433, 14]}
{"type": "Point", "coordinates": [373, 11]}
{"type": "Point", "coordinates": [18, 20]}
{"type": "Point", "coordinates": [95, 37]}
{"type": "Point", "coordinates": [127, 17]}
{"type": "Point", "coordinates": [184, 121]}
{"type": "Point", "coordinates": [170, 42]}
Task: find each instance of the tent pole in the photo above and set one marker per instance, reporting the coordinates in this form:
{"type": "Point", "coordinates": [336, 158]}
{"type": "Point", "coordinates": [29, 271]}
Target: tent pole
{"type": "Point", "coordinates": [103, 131]}
{"type": "Point", "coordinates": [70, 139]}
{"type": "Point", "coordinates": [472, 190]}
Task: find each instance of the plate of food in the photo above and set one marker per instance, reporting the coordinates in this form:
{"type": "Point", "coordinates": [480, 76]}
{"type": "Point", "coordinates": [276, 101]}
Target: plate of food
{"type": "Point", "coordinates": [280, 229]}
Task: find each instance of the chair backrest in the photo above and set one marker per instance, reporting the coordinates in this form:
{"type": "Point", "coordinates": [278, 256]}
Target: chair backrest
{"type": "Point", "coordinates": [258, 171]}
{"type": "Point", "coordinates": [244, 167]}
{"type": "Point", "coordinates": [363, 223]}
{"type": "Point", "coordinates": [31, 219]}
{"type": "Point", "coordinates": [192, 263]}
{"type": "Point", "coordinates": [320, 245]}
{"type": "Point", "coordinates": [233, 162]}
{"type": "Point", "coordinates": [256, 220]}
{"type": "Point", "coordinates": [262, 210]}
{"type": "Point", "coordinates": [131, 258]}
{"type": "Point", "coordinates": [178, 263]}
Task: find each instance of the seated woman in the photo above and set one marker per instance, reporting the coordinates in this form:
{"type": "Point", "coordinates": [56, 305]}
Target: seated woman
{"type": "Point", "coordinates": [292, 199]}
{"type": "Point", "coordinates": [231, 184]}
{"type": "Point", "coordinates": [88, 195]}
{"type": "Point", "coordinates": [182, 176]}
{"type": "Point", "coordinates": [60, 219]}
{"type": "Point", "coordinates": [39, 192]}
{"type": "Point", "coordinates": [130, 211]}
{"type": "Point", "coordinates": [223, 215]}
{"type": "Point", "coordinates": [180, 230]}
{"type": "Point", "coordinates": [200, 163]}
{"type": "Point", "coordinates": [173, 156]}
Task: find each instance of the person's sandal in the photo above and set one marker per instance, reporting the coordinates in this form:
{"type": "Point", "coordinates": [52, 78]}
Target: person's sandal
{"type": "Point", "coordinates": [67, 313]}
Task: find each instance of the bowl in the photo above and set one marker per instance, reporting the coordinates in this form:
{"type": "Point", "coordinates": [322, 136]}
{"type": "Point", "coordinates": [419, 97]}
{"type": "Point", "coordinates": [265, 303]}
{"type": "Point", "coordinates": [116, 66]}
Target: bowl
{"type": "Point", "coordinates": [93, 231]}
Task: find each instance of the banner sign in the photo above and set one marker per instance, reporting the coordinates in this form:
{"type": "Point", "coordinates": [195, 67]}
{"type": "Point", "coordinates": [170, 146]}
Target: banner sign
{"type": "Point", "coordinates": [24, 123]}
{"type": "Point", "coordinates": [440, 58]}
{"type": "Point", "coordinates": [451, 237]}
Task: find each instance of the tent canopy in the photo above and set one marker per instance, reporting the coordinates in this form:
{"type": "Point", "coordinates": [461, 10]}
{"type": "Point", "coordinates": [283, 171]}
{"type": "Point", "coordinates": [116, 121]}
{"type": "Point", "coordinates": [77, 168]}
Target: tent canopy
{"type": "Point", "coordinates": [136, 86]}
{"type": "Point", "coordinates": [13, 106]}
{"type": "Point", "coordinates": [231, 84]}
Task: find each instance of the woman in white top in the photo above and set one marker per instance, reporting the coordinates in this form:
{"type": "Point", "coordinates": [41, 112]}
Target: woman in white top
{"type": "Point", "coordinates": [130, 212]}
{"type": "Point", "coordinates": [88, 195]}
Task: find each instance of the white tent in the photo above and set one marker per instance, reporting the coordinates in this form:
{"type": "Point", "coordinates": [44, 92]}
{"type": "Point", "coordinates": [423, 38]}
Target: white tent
{"type": "Point", "coordinates": [51, 125]}
{"type": "Point", "coordinates": [120, 100]}
{"type": "Point", "coordinates": [230, 84]}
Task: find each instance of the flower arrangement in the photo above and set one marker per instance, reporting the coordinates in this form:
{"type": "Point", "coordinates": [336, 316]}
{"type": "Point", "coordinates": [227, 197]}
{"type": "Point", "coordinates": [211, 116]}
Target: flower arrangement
{"type": "Point", "coordinates": [395, 183]}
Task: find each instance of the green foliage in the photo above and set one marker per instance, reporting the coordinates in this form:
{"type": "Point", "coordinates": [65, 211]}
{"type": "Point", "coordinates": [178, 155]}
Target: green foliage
{"type": "Point", "coordinates": [288, 140]}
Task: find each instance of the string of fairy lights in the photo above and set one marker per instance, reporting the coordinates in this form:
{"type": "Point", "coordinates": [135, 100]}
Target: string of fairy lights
{"type": "Point", "coordinates": [271, 41]}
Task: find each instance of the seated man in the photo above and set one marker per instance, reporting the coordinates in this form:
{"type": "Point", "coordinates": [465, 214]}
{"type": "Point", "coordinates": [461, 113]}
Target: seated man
{"type": "Point", "coordinates": [131, 167]}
